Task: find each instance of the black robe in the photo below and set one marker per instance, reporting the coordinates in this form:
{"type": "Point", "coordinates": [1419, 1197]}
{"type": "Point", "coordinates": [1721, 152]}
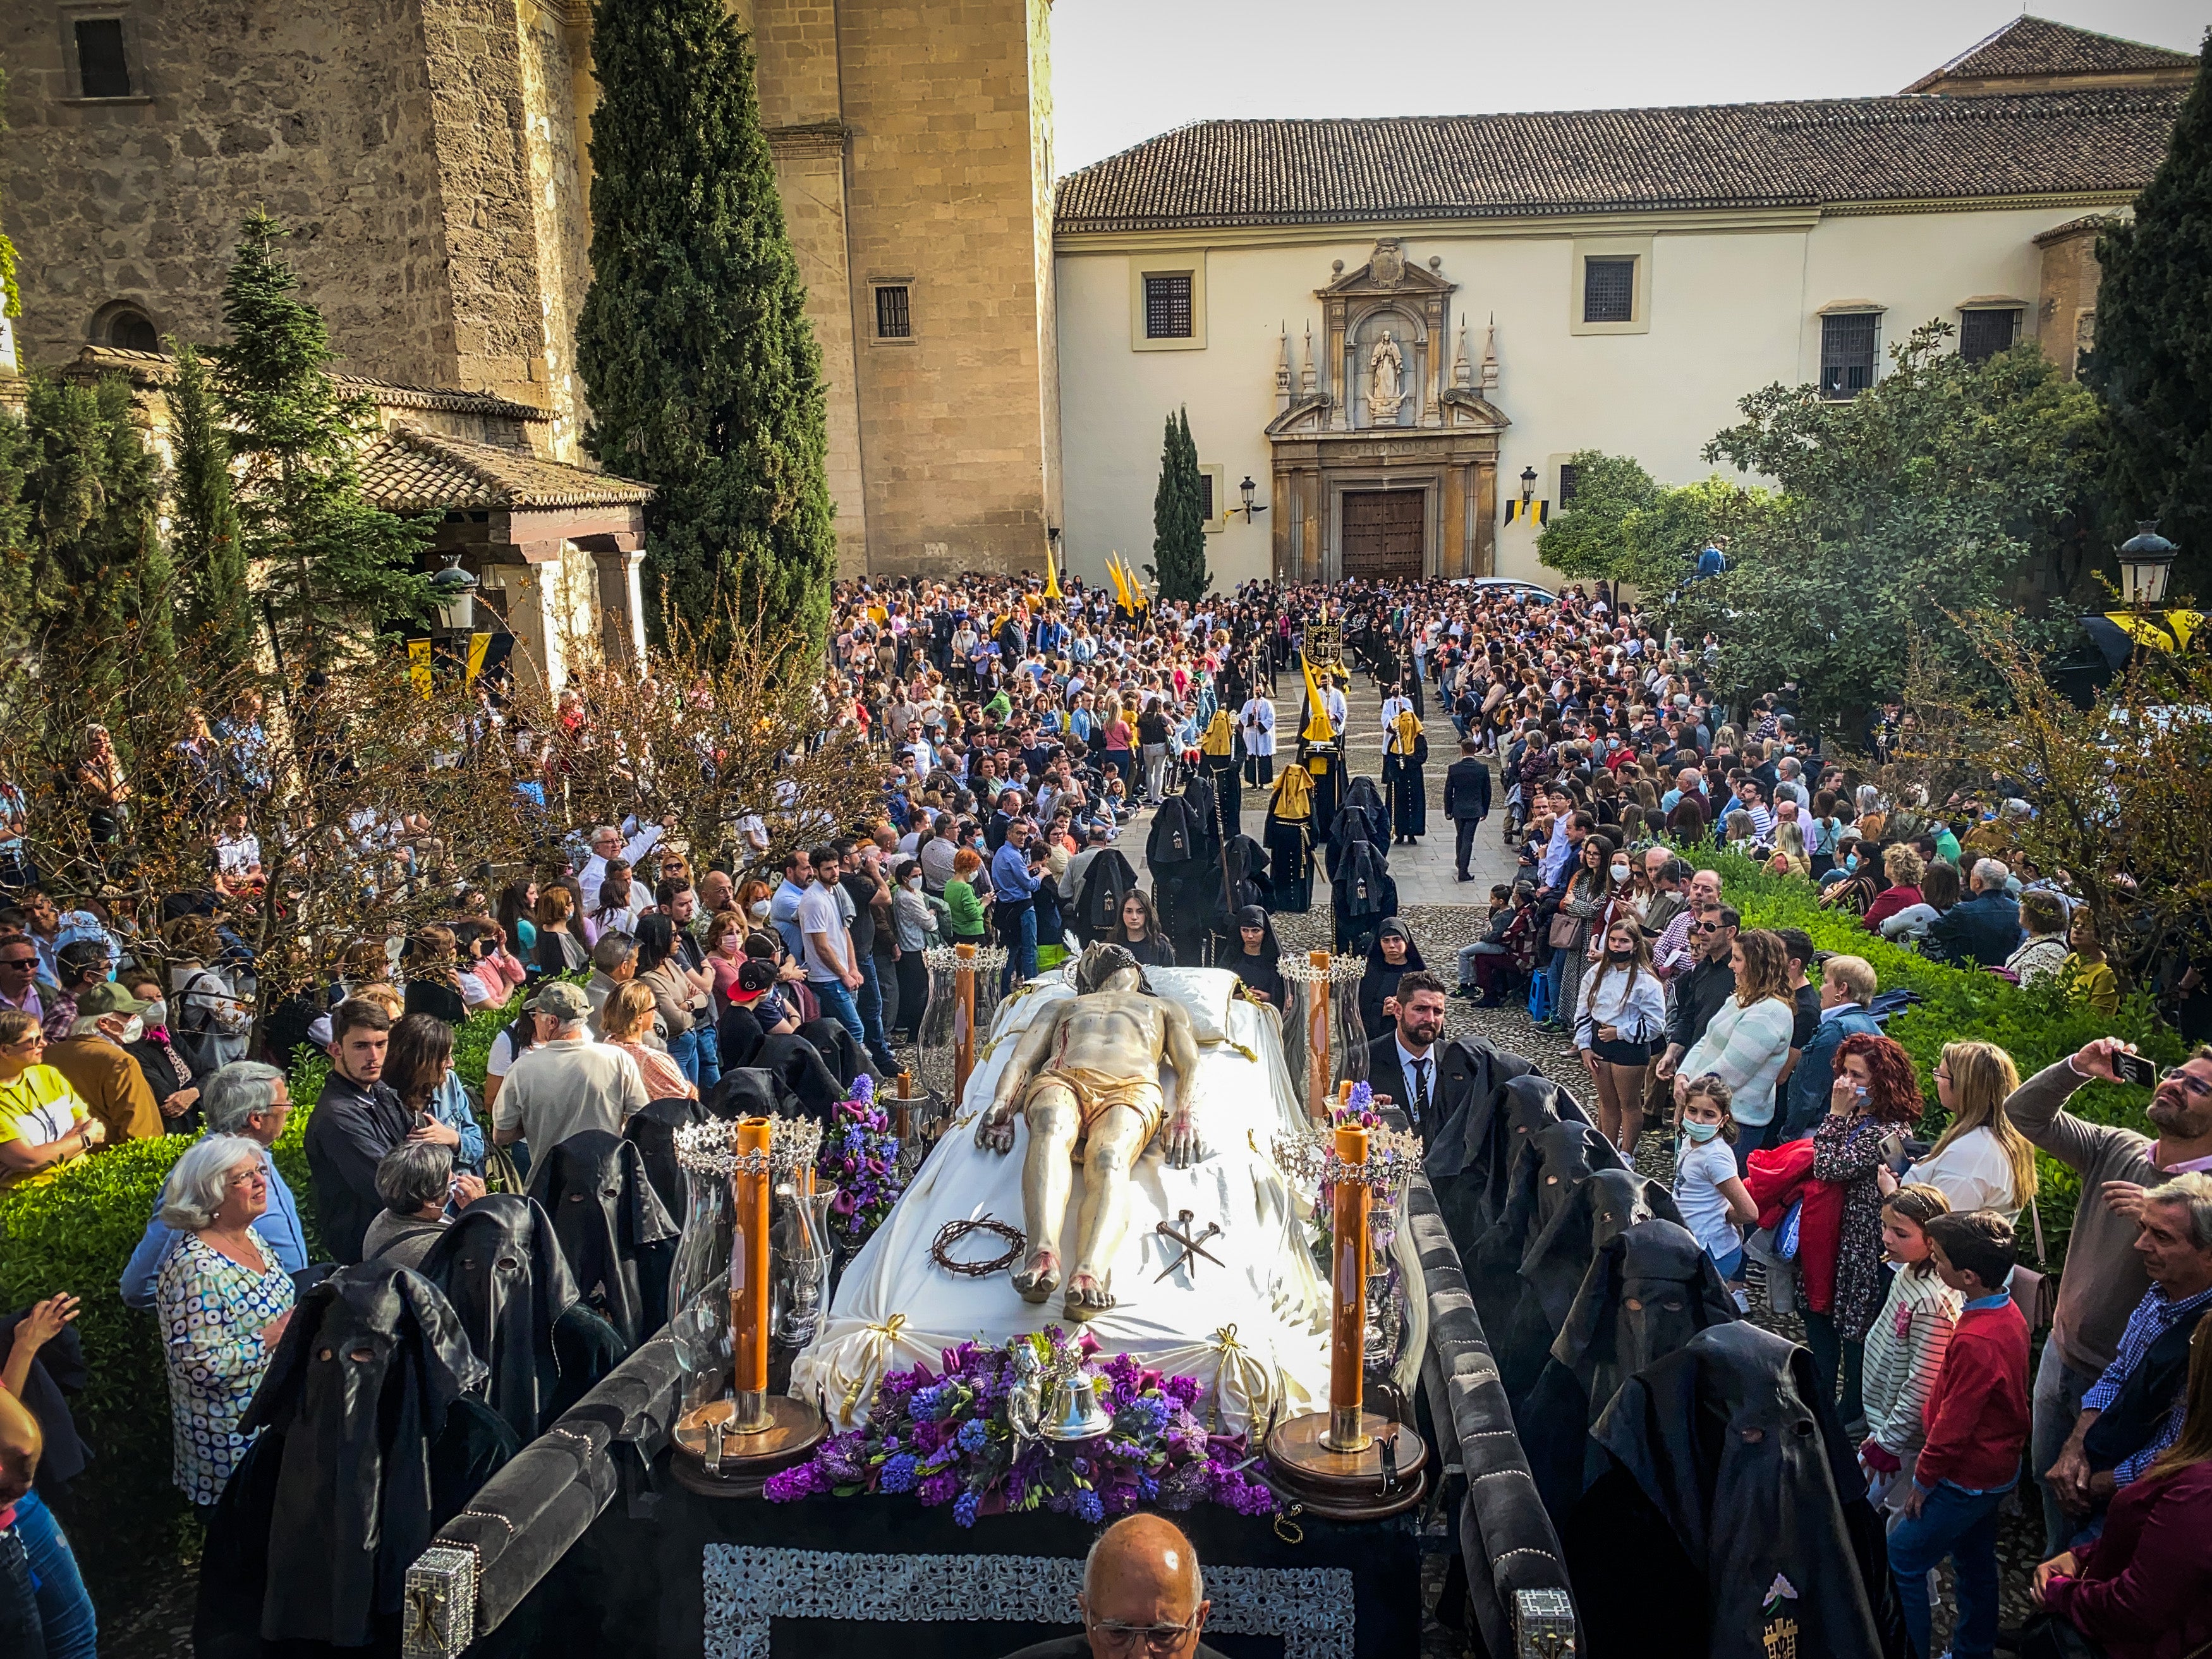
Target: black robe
{"type": "Point", "coordinates": [1365, 897]}
{"type": "Point", "coordinates": [1647, 1293]}
{"type": "Point", "coordinates": [652, 1132]}
{"type": "Point", "coordinates": [1603, 1204]}
{"type": "Point", "coordinates": [617, 1236]}
{"type": "Point", "coordinates": [1290, 859]}
{"type": "Point", "coordinates": [370, 1445]}
{"type": "Point", "coordinates": [1471, 1154]}
{"type": "Point", "coordinates": [1732, 1500]}
{"type": "Point", "coordinates": [501, 1267]}
{"type": "Point", "coordinates": [1548, 1165]}
{"type": "Point", "coordinates": [1407, 790]}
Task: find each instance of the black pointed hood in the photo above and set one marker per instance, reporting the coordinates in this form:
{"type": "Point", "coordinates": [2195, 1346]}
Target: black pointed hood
{"type": "Point", "coordinates": [617, 1234]}
{"type": "Point", "coordinates": [501, 1267]}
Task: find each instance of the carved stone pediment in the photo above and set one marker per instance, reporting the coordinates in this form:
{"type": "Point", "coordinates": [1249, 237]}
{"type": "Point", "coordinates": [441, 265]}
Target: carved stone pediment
{"type": "Point", "coordinates": [1388, 271]}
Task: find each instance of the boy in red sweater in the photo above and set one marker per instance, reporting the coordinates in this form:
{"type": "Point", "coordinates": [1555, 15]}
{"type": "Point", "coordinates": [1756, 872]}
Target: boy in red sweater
{"type": "Point", "coordinates": [1977, 1422]}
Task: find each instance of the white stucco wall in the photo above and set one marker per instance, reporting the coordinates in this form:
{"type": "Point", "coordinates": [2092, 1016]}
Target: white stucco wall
{"type": "Point", "coordinates": [1729, 311]}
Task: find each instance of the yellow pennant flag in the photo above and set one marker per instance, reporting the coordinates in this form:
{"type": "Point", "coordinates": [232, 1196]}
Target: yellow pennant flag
{"type": "Point", "coordinates": [479, 647]}
{"type": "Point", "coordinates": [1051, 576]}
{"type": "Point", "coordinates": [1318, 728]}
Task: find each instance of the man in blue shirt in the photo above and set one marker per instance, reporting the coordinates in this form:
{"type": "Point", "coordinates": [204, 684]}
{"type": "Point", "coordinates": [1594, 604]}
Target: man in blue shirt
{"type": "Point", "coordinates": [248, 1098]}
{"type": "Point", "coordinates": [1015, 886]}
{"type": "Point", "coordinates": [783, 906]}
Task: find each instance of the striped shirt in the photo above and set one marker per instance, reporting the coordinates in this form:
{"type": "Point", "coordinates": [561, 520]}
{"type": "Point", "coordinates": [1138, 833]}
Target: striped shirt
{"type": "Point", "coordinates": [1904, 1353]}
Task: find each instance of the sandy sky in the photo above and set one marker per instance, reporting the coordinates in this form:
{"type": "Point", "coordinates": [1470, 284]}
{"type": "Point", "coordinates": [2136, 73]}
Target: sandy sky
{"type": "Point", "coordinates": [1124, 70]}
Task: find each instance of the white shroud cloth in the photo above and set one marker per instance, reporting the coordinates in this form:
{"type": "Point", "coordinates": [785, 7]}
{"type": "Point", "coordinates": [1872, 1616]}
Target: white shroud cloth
{"type": "Point", "coordinates": [1253, 1331]}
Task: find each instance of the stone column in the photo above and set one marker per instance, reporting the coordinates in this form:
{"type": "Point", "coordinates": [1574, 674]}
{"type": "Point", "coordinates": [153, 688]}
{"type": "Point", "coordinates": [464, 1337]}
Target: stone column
{"type": "Point", "coordinates": [527, 599]}
{"type": "Point", "coordinates": [622, 598]}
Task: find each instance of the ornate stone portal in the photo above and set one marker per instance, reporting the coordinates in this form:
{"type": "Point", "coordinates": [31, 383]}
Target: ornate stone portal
{"type": "Point", "coordinates": [1385, 463]}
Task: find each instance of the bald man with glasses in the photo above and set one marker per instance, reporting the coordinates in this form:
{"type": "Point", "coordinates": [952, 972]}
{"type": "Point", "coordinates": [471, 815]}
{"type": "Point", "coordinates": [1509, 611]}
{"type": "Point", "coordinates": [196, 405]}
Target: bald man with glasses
{"type": "Point", "coordinates": [1143, 1597]}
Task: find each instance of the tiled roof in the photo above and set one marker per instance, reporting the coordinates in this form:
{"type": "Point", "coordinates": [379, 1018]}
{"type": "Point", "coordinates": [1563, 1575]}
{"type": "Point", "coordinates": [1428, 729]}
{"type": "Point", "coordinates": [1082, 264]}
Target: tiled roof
{"type": "Point", "coordinates": [159, 369]}
{"type": "Point", "coordinates": [2036, 45]}
{"type": "Point", "coordinates": [408, 471]}
{"type": "Point", "coordinates": [1221, 173]}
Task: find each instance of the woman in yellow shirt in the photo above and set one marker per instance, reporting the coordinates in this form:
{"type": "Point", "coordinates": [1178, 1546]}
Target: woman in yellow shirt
{"type": "Point", "coordinates": [42, 1121]}
{"type": "Point", "coordinates": [2094, 981]}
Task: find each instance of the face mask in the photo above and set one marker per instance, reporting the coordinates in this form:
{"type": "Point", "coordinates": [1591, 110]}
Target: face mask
{"type": "Point", "coordinates": [1619, 953]}
{"type": "Point", "coordinates": [1701, 1133]}
{"type": "Point", "coordinates": [133, 1029]}
{"type": "Point", "coordinates": [157, 1015]}
{"type": "Point", "coordinates": [759, 909]}
{"type": "Point", "coordinates": [731, 944]}
{"type": "Point", "coordinates": [1851, 862]}
{"type": "Point", "coordinates": [1620, 874]}
{"type": "Point", "coordinates": [914, 884]}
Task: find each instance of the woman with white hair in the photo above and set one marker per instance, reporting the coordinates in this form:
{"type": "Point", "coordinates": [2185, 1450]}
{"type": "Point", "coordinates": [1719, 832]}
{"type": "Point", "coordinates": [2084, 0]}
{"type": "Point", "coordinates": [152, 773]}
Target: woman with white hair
{"type": "Point", "coordinates": [222, 1301]}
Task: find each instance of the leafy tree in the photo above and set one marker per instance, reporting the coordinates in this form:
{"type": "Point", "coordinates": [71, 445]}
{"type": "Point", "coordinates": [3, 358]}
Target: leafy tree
{"type": "Point", "coordinates": [93, 580]}
{"type": "Point", "coordinates": [331, 565]}
{"type": "Point", "coordinates": [2152, 360]}
{"type": "Point", "coordinates": [1947, 487]}
{"type": "Point", "coordinates": [1179, 518]}
{"type": "Point", "coordinates": [1625, 526]}
{"type": "Point", "coordinates": [210, 553]}
{"type": "Point", "coordinates": [704, 376]}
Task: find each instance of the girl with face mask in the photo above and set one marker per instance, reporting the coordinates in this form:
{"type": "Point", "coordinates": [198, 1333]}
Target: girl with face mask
{"type": "Point", "coordinates": [1707, 1188]}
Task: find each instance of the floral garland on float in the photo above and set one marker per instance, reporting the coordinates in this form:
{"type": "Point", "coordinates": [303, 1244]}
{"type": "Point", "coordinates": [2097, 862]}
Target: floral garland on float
{"type": "Point", "coordinates": [1038, 1423]}
{"type": "Point", "coordinates": [860, 1157]}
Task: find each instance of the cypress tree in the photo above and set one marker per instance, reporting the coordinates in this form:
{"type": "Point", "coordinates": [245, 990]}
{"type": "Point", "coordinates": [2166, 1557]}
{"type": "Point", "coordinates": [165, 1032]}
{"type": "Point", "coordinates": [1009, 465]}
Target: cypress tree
{"type": "Point", "coordinates": [1179, 518]}
{"type": "Point", "coordinates": [703, 373]}
{"type": "Point", "coordinates": [211, 554]}
{"type": "Point", "coordinates": [2153, 359]}
{"type": "Point", "coordinates": [332, 566]}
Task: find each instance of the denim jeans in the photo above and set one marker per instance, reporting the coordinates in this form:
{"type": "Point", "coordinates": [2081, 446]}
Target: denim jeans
{"type": "Point", "coordinates": [1017, 932]}
{"type": "Point", "coordinates": [23, 1628]}
{"type": "Point", "coordinates": [870, 998]}
{"type": "Point", "coordinates": [837, 1004]}
{"type": "Point", "coordinates": [1962, 1525]}
{"type": "Point", "coordinates": [684, 1051]}
{"type": "Point", "coordinates": [710, 1056]}
{"type": "Point", "coordinates": [2056, 1403]}
{"type": "Point", "coordinates": [1467, 953]}
{"type": "Point", "coordinates": [72, 1628]}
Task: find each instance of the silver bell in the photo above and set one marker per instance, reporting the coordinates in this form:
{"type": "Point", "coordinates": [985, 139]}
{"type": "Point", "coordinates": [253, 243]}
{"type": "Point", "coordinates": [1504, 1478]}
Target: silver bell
{"type": "Point", "coordinates": [1074, 1413]}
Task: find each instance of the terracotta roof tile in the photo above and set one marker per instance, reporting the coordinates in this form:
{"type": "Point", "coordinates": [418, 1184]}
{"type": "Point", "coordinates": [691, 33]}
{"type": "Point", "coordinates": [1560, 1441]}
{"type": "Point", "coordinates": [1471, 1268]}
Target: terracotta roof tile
{"type": "Point", "coordinates": [159, 369]}
{"type": "Point", "coordinates": [1221, 173]}
{"type": "Point", "coordinates": [407, 470]}
{"type": "Point", "coordinates": [2036, 45]}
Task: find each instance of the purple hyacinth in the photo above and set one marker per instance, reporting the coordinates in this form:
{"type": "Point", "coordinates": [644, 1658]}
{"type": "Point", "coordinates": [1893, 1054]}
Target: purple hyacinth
{"type": "Point", "coordinates": [1090, 1507]}
{"type": "Point", "coordinates": [964, 1509]}
{"type": "Point", "coordinates": [899, 1473]}
{"type": "Point", "coordinates": [973, 1435]}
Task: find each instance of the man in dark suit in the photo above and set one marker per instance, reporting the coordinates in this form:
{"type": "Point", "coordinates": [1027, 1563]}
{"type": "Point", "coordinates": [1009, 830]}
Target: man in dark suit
{"type": "Point", "coordinates": [1985, 928]}
{"type": "Point", "coordinates": [1427, 1078]}
{"type": "Point", "coordinates": [1467, 798]}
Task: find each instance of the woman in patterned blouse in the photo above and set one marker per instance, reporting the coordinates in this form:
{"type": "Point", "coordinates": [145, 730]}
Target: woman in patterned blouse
{"type": "Point", "coordinates": [222, 1301]}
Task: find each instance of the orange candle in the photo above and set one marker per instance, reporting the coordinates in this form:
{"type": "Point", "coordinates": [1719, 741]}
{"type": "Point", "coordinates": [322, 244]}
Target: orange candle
{"type": "Point", "coordinates": [1348, 1284]}
{"type": "Point", "coordinates": [749, 1273]}
{"type": "Point", "coordinates": [964, 1021]}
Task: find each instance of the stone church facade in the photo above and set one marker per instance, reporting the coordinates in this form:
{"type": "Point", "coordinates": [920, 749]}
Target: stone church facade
{"type": "Point", "coordinates": [431, 158]}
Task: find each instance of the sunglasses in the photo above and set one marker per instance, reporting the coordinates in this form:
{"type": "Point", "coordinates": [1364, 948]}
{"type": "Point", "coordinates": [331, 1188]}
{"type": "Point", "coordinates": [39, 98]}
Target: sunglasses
{"type": "Point", "coordinates": [1705, 927]}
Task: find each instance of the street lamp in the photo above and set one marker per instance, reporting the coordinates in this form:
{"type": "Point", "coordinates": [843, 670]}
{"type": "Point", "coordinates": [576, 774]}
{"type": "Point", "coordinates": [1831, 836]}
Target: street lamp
{"type": "Point", "coordinates": [454, 592]}
{"type": "Point", "coordinates": [1527, 486]}
{"type": "Point", "coordinates": [2146, 561]}
{"type": "Point", "coordinates": [1246, 489]}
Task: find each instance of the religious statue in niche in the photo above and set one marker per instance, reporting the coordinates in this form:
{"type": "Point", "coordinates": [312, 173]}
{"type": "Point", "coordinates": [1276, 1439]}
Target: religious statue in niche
{"type": "Point", "coordinates": [1386, 372]}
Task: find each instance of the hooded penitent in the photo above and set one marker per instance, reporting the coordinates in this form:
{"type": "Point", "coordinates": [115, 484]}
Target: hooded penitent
{"type": "Point", "coordinates": [1647, 1293]}
{"type": "Point", "coordinates": [652, 1132]}
{"type": "Point", "coordinates": [617, 1234]}
{"type": "Point", "coordinates": [1289, 833]}
{"type": "Point", "coordinates": [1364, 895]}
{"type": "Point", "coordinates": [1471, 1155]}
{"type": "Point", "coordinates": [501, 1267]}
{"type": "Point", "coordinates": [356, 1403]}
{"type": "Point", "coordinates": [1548, 1166]}
{"type": "Point", "coordinates": [1604, 1205]}
{"type": "Point", "coordinates": [1405, 751]}
{"type": "Point", "coordinates": [1733, 1503]}
{"type": "Point", "coordinates": [1360, 820]}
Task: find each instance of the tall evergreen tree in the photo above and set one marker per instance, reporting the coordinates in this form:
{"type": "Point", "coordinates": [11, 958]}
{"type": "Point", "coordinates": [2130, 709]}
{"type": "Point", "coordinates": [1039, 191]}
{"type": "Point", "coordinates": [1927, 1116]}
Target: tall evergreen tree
{"type": "Point", "coordinates": [94, 574]}
{"type": "Point", "coordinates": [330, 564]}
{"type": "Point", "coordinates": [1179, 518]}
{"type": "Point", "coordinates": [703, 373]}
{"type": "Point", "coordinates": [211, 554]}
{"type": "Point", "coordinates": [2152, 359]}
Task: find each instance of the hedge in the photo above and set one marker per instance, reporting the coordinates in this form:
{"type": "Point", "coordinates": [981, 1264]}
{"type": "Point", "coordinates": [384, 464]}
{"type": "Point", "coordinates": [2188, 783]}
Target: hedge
{"type": "Point", "coordinates": [74, 1230]}
{"type": "Point", "coordinates": [2036, 1025]}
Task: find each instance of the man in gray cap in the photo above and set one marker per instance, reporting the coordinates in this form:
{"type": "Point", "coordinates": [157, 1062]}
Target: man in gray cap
{"type": "Point", "coordinates": [568, 1084]}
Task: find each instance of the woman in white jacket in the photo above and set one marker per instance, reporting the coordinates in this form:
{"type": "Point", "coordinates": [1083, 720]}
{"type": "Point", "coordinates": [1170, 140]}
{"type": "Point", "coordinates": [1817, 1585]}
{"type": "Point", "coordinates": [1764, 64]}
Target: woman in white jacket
{"type": "Point", "coordinates": [1622, 1009]}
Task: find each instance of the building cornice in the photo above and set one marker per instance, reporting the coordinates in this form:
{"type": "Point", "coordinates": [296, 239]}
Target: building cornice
{"type": "Point", "coordinates": [1662, 221]}
{"type": "Point", "coordinates": [811, 138]}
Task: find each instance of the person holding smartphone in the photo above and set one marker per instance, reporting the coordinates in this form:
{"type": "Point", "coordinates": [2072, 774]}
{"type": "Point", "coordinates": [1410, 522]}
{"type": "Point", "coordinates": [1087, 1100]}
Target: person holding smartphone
{"type": "Point", "coordinates": [2105, 1276]}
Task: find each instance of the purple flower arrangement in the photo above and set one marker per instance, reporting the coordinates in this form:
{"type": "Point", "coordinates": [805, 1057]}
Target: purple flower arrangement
{"type": "Point", "coordinates": [944, 1437]}
{"type": "Point", "coordinates": [860, 1155]}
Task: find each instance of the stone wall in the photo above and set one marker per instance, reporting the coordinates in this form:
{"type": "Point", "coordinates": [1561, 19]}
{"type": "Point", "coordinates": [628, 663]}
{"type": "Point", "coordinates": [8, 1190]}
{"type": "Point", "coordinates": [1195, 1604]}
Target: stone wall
{"type": "Point", "coordinates": [140, 200]}
{"type": "Point", "coordinates": [2066, 302]}
{"type": "Point", "coordinates": [939, 96]}
{"type": "Point", "coordinates": [560, 207]}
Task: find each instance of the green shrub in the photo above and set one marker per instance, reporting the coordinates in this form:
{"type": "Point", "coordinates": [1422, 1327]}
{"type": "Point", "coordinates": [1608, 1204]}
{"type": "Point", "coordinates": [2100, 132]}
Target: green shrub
{"type": "Point", "coordinates": [2036, 1025]}
{"type": "Point", "coordinates": [74, 1230]}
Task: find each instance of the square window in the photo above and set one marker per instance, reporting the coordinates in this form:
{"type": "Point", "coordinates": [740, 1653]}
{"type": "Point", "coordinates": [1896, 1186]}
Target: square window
{"type": "Point", "coordinates": [1608, 290]}
{"type": "Point", "coordinates": [1167, 306]}
{"type": "Point", "coordinates": [1848, 342]}
{"type": "Point", "coordinates": [102, 70]}
{"type": "Point", "coordinates": [1568, 478]}
{"type": "Point", "coordinates": [1982, 334]}
{"type": "Point", "coordinates": [893, 319]}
